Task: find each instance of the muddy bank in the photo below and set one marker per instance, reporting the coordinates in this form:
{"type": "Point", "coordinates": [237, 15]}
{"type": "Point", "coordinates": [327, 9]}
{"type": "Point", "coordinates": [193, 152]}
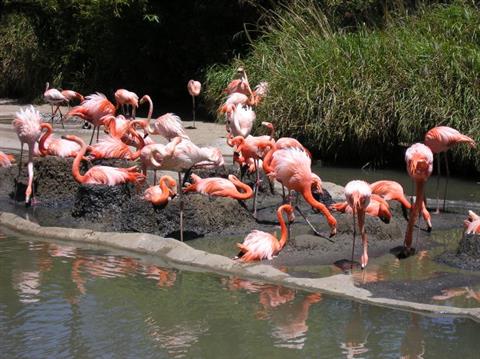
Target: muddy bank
{"type": "Point", "coordinates": [467, 255]}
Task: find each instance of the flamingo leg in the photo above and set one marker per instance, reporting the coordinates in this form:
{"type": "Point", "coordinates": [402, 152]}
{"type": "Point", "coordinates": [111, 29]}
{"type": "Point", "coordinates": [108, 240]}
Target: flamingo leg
{"type": "Point", "coordinates": [193, 111]}
{"type": "Point", "coordinates": [256, 189]}
{"type": "Point", "coordinates": [181, 206]}
{"type": "Point", "coordinates": [446, 181]}
{"type": "Point", "coordinates": [437, 211]}
{"type": "Point", "coordinates": [98, 132]}
{"type": "Point", "coordinates": [53, 114]}
{"type": "Point", "coordinates": [354, 235]}
{"type": "Point", "coordinates": [361, 226]}
{"type": "Point", "coordinates": [317, 233]}
{"type": "Point", "coordinates": [20, 162]}
{"type": "Point", "coordinates": [61, 116]}
{"type": "Point", "coordinates": [29, 190]}
{"type": "Point", "coordinates": [93, 134]}
{"type": "Point", "coordinates": [155, 176]}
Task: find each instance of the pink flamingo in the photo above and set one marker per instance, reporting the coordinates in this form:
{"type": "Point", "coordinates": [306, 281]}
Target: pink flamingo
{"type": "Point", "coordinates": [105, 175]}
{"type": "Point", "coordinates": [71, 96]}
{"type": "Point", "coordinates": [472, 223]}
{"type": "Point", "coordinates": [56, 146]}
{"type": "Point", "coordinates": [241, 121]}
{"type": "Point", "coordinates": [27, 125]}
{"type": "Point", "coordinates": [419, 159]}
{"type": "Point", "coordinates": [255, 148]}
{"type": "Point", "coordinates": [441, 139]}
{"type": "Point", "coordinates": [162, 193]}
{"type": "Point", "coordinates": [93, 109]}
{"type": "Point", "coordinates": [358, 195]}
{"type": "Point", "coordinates": [168, 125]}
{"type": "Point", "coordinates": [54, 97]}
{"type": "Point", "coordinates": [161, 152]}
{"type": "Point", "coordinates": [220, 187]}
{"type": "Point", "coordinates": [194, 88]}
{"type": "Point", "coordinates": [260, 245]}
{"type": "Point", "coordinates": [239, 85]}
{"type": "Point", "coordinates": [186, 156]}
{"type": "Point", "coordinates": [124, 98]}
{"type": "Point", "coordinates": [292, 168]}
{"type": "Point", "coordinates": [6, 160]}
{"type": "Point", "coordinates": [393, 191]}
{"type": "Point", "coordinates": [377, 207]}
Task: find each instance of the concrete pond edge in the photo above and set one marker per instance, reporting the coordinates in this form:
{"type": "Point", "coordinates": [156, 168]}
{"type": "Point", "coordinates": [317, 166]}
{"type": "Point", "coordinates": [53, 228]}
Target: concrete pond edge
{"type": "Point", "coordinates": [177, 253]}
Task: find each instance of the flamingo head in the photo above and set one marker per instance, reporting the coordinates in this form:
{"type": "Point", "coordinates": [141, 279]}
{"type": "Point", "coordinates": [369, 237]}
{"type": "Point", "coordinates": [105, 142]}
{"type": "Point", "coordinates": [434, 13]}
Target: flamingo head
{"type": "Point", "coordinates": [145, 98]}
{"type": "Point", "coordinates": [194, 87]}
{"type": "Point", "coordinates": [288, 209]}
{"type": "Point", "coordinates": [316, 184]}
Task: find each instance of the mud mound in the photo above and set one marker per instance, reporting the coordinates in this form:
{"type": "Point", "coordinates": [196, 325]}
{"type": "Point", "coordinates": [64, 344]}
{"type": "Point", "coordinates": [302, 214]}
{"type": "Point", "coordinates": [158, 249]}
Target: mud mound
{"type": "Point", "coordinates": [467, 255]}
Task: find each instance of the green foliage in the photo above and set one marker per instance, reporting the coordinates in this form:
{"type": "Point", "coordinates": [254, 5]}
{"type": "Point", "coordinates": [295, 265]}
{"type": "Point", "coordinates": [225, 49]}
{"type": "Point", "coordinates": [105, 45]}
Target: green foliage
{"type": "Point", "coordinates": [357, 96]}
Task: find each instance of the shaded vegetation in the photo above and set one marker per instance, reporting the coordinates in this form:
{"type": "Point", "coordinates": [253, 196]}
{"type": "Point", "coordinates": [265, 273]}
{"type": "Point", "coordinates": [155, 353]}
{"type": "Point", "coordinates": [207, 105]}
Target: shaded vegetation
{"type": "Point", "coordinates": [357, 96]}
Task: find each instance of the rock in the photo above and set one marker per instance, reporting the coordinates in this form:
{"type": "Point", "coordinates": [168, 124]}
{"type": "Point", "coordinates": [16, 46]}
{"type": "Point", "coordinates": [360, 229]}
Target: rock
{"type": "Point", "coordinates": [467, 255]}
{"type": "Point", "coordinates": [469, 245]}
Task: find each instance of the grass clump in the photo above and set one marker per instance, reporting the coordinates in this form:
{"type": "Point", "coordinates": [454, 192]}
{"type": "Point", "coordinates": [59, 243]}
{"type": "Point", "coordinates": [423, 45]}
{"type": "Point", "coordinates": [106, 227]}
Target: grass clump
{"type": "Point", "coordinates": [356, 96]}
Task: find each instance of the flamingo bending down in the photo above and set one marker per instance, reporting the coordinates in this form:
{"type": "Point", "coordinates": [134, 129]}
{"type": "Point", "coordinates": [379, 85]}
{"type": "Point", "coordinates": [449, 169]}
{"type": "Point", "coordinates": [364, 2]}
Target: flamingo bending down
{"type": "Point", "coordinates": [260, 245]}
{"type": "Point", "coordinates": [377, 207]}
{"type": "Point", "coordinates": [393, 191]}
{"type": "Point", "coordinates": [292, 168]}
{"type": "Point", "coordinates": [56, 146]}
{"type": "Point", "coordinates": [241, 120]}
{"type": "Point", "coordinates": [105, 175]}
{"type": "Point", "coordinates": [27, 125]}
{"type": "Point", "coordinates": [161, 152]}
{"type": "Point", "coordinates": [6, 160]}
{"type": "Point", "coordinates": [162, 193]}
{"type": "Point", "coordinates": [54, 97]}
{"type": "Point", "coordinates": [72, 95]}
{"type": "Point", "coordinates": [220, 187]}
{"type": "Point", "coordinates": [168, 125]}
{"type": "Point", "coordinates": [194, 88]}
{"type": "Point", "coordinates": [93, 109]}
{"type": "Point", "coordinates": [441, 139]}
{"type": "Point", "coordinates": [358, 195]}
{"type": "Point", "coordinates": [124, 98]}
{"type": "Point", "coordinates": [419, 159]}
{"type": "Point", "coordinates": [239, 85]}
{"type": "Point", "coordinates": [185, 157]}
{"type": "Point", "coordinates": [472, 223]}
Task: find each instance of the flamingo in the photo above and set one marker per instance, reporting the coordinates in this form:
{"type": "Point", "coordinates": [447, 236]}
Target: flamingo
{"type": "Point", "coordinates": [358, 195]}
{"type": "Point", "coordinates": [6, 160]}
{"type": "Point", "coordinates": [239, 85]}
{"type": "Point", "coordinates": [124, 98]}
{"type": "Point", "coordinates": [253, 147]}
{"type": "Point", "coordinates": [161, 152]}
{"type": "Point", "coordinates": [472, 223]}
{"type": "Point", "coordinates": [162, 193]}
{"type": "Point", "coordinates": [56, 146]}
{"type": "Point", "coordinates": [292, 168]}
{"type": "Point", "coordinates": [393, 191]}
{"type": "Point", "coordinates": [27, 125]}
{"type": "Point", "coordinates": [185, 157]}
{"type": "Point", "coordinates": [260, 245]}
{"type": "Point", "coordinates": [93, 109]}
{"type": "Point", "coordinates": [72, 95]}
{"type": "Point", "coordinates": [194, 88]}
{"type": "Point", "coordinates": [168, 125]}
{"type": "Point", "coordinates": [377, 207]}
{"type": "Point", "coordinates": [105, 175]}
{"type": "Point", "coordinates": [54, 97]}
{"type": "Point", "coordinates": [441, 139]}
{"type": "Point", "coordinates": [419, 159]}
{"type": "Point", "coordinates": [220, 187]}
{"type": "Point", "coordinates": [241, 121]}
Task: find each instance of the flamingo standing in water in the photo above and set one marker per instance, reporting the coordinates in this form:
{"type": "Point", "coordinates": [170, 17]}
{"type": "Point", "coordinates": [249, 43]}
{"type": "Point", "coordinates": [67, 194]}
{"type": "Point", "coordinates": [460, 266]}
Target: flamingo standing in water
{"type": "Point", "coordinates": [6, 160]}
{"type": "Point", "coordinates": [358, 195]}
{"type": "Point", "coordinates": [93, 109]}
{"type": "Point", "coordinates": [472, 223]}
{"type": "Point", "coordinates": [105, 175]}
{"type": "Point", "coordinates": [54, 97]}
{"type": "Point", "coordinates": [27, 125]}
{"type": "Point", "coordinates": [292, 168]}
{"type": "Point", "coordinates": [260, 245]}
{"type": "Point", "coordinates": [56, 146]}
{"type": "Point", "coordinates": [162, 193]}
{"type": "Point", "coordinates": [124, 98]}
{"type": "Point", "coordinates": [441, 139]}
{"type": "Point", "coordinates": [194, 88]}
{"type": "Point", "coordinates": [185, 157]}
{"type": "Point", "coordinates": [220, 187]}
{"type": "Point", "coordinates": [393, 191]}
{"type": "Point", "coordinates": [168, 125]}
{"type": "Point", "coordinates": [419, 159]}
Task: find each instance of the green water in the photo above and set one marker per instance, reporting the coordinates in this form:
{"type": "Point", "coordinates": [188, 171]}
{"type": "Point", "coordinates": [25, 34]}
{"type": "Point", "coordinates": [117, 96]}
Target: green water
{"type": "Point", "coordinates": [59, 301]}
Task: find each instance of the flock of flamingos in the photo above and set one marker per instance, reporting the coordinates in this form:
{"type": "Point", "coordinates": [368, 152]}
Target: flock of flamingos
{"type": "Point", "coordinates": [284, 159]}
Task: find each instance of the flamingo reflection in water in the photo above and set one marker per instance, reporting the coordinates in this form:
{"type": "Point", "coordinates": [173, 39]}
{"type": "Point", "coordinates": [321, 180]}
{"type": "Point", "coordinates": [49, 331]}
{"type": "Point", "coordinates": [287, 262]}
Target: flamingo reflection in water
{"type": "Point", "coordinates": [356, 338]}
{"type": "Point", "coordinates": [288, 318]}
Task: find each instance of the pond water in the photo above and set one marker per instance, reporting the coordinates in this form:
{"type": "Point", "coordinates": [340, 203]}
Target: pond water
{"type": "Point", "coordinates": [57, 300]}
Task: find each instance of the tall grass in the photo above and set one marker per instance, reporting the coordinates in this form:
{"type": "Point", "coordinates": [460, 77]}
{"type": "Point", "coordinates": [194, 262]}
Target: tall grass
{"type": "Point", "coordinates": [355, 97]}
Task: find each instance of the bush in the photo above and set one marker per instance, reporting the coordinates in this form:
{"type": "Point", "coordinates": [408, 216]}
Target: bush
{"type": "Point", "coordinates": [355, 97]}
